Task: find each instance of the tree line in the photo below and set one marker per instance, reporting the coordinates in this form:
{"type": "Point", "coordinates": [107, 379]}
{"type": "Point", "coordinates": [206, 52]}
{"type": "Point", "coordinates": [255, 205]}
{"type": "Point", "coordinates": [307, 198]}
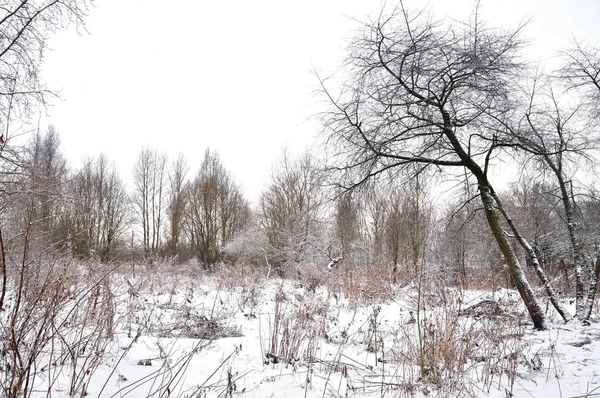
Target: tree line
{"type": "Point", "coordinates": [418, 104]}
{"type": "Point", "coordinates": [301, 219]}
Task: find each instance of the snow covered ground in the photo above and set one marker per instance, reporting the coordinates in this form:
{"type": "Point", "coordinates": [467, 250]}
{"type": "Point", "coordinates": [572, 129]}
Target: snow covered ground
{"type": "Point", "coordinates": [177, 336]}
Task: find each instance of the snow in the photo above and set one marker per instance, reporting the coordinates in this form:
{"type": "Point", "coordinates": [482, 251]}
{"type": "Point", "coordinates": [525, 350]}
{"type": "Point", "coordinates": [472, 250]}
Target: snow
{"type": "Point", "coordinates": [327, 345]}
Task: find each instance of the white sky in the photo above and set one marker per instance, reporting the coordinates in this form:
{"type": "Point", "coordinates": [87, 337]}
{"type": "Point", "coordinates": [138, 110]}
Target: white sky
{"type": "Point", "coordinates": [235, 76]}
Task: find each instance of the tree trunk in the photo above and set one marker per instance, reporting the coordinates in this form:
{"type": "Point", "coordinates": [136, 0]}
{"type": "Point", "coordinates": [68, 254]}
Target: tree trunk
{"type": "Point", "coordinates": [589, 304]}
{"type": "Point", "coordinates": [560, 308]}
{"type": "Point", "coordinates": [518, 276]}
{"type": "Point", "coordinates": [576, 247]}
{"type": "Point", "coordinates": [489, 205]}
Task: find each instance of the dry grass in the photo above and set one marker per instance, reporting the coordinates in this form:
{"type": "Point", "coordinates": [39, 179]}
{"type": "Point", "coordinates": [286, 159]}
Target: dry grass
{"type": "Point", "coordinates": [436, 349]}
{"type": "Point", "coordinates": [298, 321]}
{"type": "Point", "coordinates": [58, 319]}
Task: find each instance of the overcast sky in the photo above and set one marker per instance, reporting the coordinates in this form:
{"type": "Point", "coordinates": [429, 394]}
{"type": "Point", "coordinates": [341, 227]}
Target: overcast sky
{"type": "Point", "coordinates": [235, 76]}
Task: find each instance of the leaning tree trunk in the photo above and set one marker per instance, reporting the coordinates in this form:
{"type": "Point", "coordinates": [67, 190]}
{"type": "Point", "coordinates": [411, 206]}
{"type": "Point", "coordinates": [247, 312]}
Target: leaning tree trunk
{"type": "Point", "coordinates": [576, 247]}
{"type": "Point", "coordinates": [589, 304]}
{"type": "Point", "coordinates": [489, 205]}
{"type": "Point", "coordinates": [518, 276]}
{"type": "Point", "coordinates": [560, 308]}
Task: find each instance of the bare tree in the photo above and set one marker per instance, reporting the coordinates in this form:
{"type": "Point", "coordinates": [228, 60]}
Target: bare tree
{"type": "Point", "coordinates": [47, 170]}
{"type": "Point", "coordinates": [580, 74]}
{"type": "Point", "coordinates": [545, 130]}
{"type": "Point", "coordinates": [560, 135]}
{"type": "Point", "coordinates": [25, 27]}
{"type": "Point", "coordinates": [113, 208]}
{"type": "Point", "coordinates": [408, 224]}
{"type": "Point", "coordinates": [419, 94]}
{"type": "Point", "coordinates": [150, 178]}
{"type": "Point", "coordinates": [99, 207]}
{"type": "Point", "coordinates": [39, 292]}
{"type": "Point", "coordinates": [455, 240]}
{"type": "Point", "coordinates": [399, 223]}
{"type": "Point", "coordinates": [349, 224]}
{"type": "Point", "coordinates": [217, 210]}
{"type": "Point", "coordinates": [291, 208]}
{"type": "Point", "coordinates": [82, 214]}
{"type": "Point", "coordinates": [176, 206]}
{"type": "Point", "coordinates": [377, 213]}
